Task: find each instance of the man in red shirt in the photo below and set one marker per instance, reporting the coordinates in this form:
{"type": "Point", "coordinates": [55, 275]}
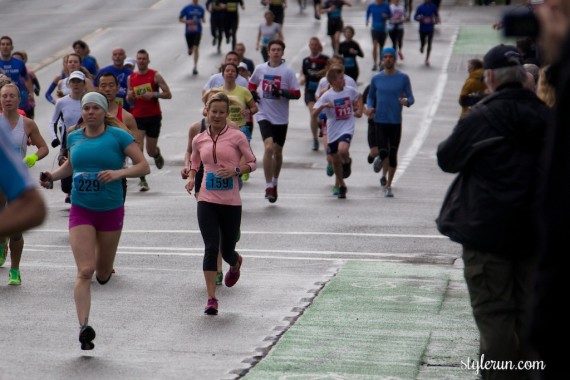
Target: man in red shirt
{"type": "Point", "coordinates": [145, 87]}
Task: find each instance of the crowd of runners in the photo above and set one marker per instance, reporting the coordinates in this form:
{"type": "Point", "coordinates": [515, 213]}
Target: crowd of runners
{"type": "Point", "coordinates": [116, 108]}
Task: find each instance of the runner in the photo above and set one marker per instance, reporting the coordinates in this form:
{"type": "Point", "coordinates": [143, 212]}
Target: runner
{"type": "Point", "coordinates": [145, 88]}
{"type": "Point", "coordinates": [15, 69]}
{"type": "Point", "coordinates": [232, 20]}
{"type": "Point", "coordinates": [217, 9]}
{"type": "Point", "coordinates": [312, 70]}
{"type": "Point", "coordinates": [27, 208]}
{"type": "Point", "coordinates": [217, 80]}
{"type": "Point", "coordinates": [390, 90]}
{"type": "Point", "coordinates": [73, 63]}
{"type": "Point", "coordinates": [427, 16]}
{"type": "Point", "coordinates": [275, 84]}
{"type": "Point", "coordinates": [341, 105]}
{"type": "Point", "coordinates": [22, 130]}
{"type": "Point", "coordinates": [396, 26]}
{"type": "Point", "coordinates": [333, 9]}
{"type": "Point", "coordinates": [350, 49]}
{"type": "Point", "coordinates": [240, 50]}
{"type": "Point", "coordinates": [193, 16]}
{"type": "Point", "coordinates": [268, 31]}
{"type": "Point", "coordinates": [87, 61]}
{"type": "Point", "coordinates": [66, 114]}
{"type": "Point", "coordinates": [380, 13]}
{"type": "Point", "coordinates": [220, 148]}
{"type": "Point", "coordinates": [119, 70]}
{"type": "Point", "coordinates": [97, 211]}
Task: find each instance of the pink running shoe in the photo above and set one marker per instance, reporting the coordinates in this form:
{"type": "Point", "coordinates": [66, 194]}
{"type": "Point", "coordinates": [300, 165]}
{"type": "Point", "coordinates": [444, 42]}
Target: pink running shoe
{"type": "Point", "coordinates": [233, 277]}
{"type": "Point", "coordinates": [211, 307]}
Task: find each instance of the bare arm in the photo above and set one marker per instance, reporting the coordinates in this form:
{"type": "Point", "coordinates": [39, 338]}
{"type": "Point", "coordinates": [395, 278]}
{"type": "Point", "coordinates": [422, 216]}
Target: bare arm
{"type": "Point", "coordinates": [131, 123]}
{"type": "Point", "coordinates": [24, 212]}
{"type": "Point", "coordinates": [36, 138]}
{"type": "Point", "coordinates": [165, 90]}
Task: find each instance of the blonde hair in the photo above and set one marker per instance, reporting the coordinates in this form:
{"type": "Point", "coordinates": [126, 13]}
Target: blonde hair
{"type": "Point", "coordinates": [219, 97]}
{"type": "Point", "coordinates": [334, 72]}
{"type": "Point", "coordinates": [11, 85]}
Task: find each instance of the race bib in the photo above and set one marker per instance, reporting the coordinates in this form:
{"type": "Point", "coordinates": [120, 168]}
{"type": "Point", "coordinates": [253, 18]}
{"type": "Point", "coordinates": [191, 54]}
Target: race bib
{"type": "Point", "coordinates": [192, 26]}
{"type": "Point", "coordinates": [342, 108]}
{"type": "Point", "coordinates": [120, 101]}
{"type": "Point", "coordinates": [269, 83]}
{"type": "Point", "coordinates": [87, 183]}
{"type": "Point", "coordinates": [427, 20]}
{"type": "Point", "coordinates": [312, 86]}
{"type": "Point", "coordinates": [142, 89]}
{"type": "Point", "coordinates": [265, 40]}
{"type": "Point", "coordinates": [213, 182]}
{"type": "Point", "coordinates": [349, 62]}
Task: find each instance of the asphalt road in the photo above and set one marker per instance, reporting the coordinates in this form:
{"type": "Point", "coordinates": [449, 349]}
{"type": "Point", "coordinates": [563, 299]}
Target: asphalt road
{"type": "Point", "coordinates": [149, 318]}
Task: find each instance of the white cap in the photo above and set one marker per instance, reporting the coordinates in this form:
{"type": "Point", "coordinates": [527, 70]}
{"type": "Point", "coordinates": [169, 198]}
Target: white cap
{"type": "Point", "coordinates": [130, 61]}
{"type": "Point", "coordinates": [77, 75]}
{"type": "Point", "coordinates": [242, 65]}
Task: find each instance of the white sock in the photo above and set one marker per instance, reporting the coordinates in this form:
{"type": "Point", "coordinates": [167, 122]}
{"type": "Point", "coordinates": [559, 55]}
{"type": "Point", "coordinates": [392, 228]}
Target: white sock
{"type": "Point", "coordinates": [274, 182]}
{"type": "Point", "coordinates": [269, 185]}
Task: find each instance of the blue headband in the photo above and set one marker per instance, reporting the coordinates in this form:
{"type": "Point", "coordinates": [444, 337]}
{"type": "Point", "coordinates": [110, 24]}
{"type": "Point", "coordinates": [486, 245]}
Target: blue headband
{"type": "Point", "coordinates": [389, 50]}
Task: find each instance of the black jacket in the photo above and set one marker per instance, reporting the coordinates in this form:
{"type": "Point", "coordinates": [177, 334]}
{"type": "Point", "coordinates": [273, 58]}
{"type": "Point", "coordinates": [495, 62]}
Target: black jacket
{"type": "Point", "coordinates": [496, 150]}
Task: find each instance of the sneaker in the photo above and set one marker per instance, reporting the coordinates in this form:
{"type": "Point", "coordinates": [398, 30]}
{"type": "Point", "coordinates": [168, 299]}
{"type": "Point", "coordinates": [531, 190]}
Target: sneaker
{"type": "Point", "coordinates": [143, 185]}
{"type": "Point", "coordinates": [219, 278]}
{"type": "Point", "coordinates": [401, 55]}
{"type": "Point", "coordinates": [14, 277]}
{"type": "Point", "coordinates": [271, 194]}
{"type": "Point", "coordinates": [195, 71]}
{"type": "Point", "coordinates": [233, 277]}
{"type": "Point", "coordinates": [342, 192]}
{"type": "Point", "coordinates": [3, 252]}
{"type": "Point", "coordinates": [68, 198]}
{"type": "Point", "coordinates": [370, 159]}
{"type": "Point", "coordinates": [86, 336]}
{"type": "Point", "coordinates": [383, 181]}
{"type": "Point", "coordinates": [315, 145]}
{"type": "Point", "coordinates": [374, 67]}
{"type": "Point", "coordinates": [335, 190]}
{"type": "Point", "coordinates": [159, 160]}
{"type": "Point", "coordinates": [330, 170]}
{"type": "Point", "coordinates": [388, 193]}
{"type": "Point", "coordinates": [377, 164]}
{"type": "Point", "coordinates": [245, 177]}
{"type": "Point", "coordinates": [211, 307]}
{"type": "Point", "coordinates": [347, 168]}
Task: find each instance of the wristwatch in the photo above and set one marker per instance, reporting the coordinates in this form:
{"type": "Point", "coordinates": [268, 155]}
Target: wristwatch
{"type": "Point", "coordinates": [238, 171]}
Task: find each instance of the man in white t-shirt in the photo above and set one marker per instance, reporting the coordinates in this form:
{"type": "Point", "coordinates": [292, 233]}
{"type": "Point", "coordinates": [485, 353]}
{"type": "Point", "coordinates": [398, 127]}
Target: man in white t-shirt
{"type": "Point", "coordinates": [275, 84]}
{"type": "Point", "coordinates": [217, 80]}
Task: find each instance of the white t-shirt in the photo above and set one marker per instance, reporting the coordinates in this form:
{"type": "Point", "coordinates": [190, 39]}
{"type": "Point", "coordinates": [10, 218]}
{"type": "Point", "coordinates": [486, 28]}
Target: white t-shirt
{"type": "Point", "coordinates": [271, 108]}
{"type": "Point", "coordinates": [323, 83]}
{"type": "Point", "coordinates": [217, 80]}
{"type": "Point", "coordinates": [398, 17]}
{"type": "Point", "coordinates": [340, 118]}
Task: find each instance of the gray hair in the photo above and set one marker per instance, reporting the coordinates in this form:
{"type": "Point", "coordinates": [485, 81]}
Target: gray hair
{"type": "Point", "coordinates": [533, 70]}
{"type": "Point", "coordinates": [510, 74]}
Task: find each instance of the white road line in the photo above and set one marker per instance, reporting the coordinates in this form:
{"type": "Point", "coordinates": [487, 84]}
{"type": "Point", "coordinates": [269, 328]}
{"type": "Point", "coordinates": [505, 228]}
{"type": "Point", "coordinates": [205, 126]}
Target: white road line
{"type": "Point", "coordinates": [425, 126]}
{"type": "Point", "coordinates": [189, 251]}
{"type": "Point", "coordinates": [300, 233]}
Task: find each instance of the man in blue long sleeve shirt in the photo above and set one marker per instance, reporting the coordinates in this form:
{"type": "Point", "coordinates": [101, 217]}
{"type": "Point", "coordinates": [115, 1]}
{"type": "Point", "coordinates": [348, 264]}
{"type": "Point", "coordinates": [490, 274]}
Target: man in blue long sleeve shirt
{"type": "Point", "coordinates": [390, 90]}
{"type": "Point", "coordinates": [427, 15]}
{"type": "Point", "coordinates": [380, 13]}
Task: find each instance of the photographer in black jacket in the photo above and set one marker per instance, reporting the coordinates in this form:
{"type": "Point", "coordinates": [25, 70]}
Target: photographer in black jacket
{"type": "Point", "coordinates": [489, 208]}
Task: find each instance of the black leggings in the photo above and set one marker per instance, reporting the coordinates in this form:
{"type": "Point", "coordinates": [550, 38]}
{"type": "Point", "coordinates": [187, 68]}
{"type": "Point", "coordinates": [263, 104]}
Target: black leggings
{"type": "Point", "coordinates": [388, 138]}
{"type": "Point", "coordinates": [397, 37]}
{"type": "Point", "coordinates": [219, 223]}
{"type": "Point", "coordinates": [423, 37]}
{"type": "Point", "coordinates": [231, 27]}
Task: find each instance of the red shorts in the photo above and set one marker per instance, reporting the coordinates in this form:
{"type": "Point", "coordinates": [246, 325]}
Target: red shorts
{"type": "Point", "coordinates": [105, 221]}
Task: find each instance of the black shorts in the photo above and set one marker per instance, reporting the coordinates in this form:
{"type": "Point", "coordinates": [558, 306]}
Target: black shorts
{"type": "Point", "coordinates": [151, 125]}
{"type": "Point", "coordinates": [193, 40]}
{"type": "Point", "coordinates": [334, 25]}
{"type": "Point", "coordinates": [278, 132]}
{"type": "Point", "coordinates": [310, 97]}
{"type": "Point", "coordinates": [332, 147]}
{"type": "Point", "coordinates": [378, 36]}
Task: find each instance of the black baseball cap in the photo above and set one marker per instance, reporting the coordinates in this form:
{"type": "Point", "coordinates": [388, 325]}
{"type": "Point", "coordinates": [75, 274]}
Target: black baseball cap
{"type": "Point", "coordinates": [502, 56]}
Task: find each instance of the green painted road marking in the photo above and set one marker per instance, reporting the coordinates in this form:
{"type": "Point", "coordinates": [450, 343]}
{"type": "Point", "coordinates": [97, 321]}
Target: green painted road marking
{"type": "Point", "coordinates": [380, 320]}
{"type": "Point", "coordinates": [478, 39]}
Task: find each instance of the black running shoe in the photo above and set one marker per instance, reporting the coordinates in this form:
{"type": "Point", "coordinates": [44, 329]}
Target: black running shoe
{"type": "Point", "coordinates": [342, 192]}
{"type": "Point", "coordinates": [86, 337]}
{"type": "Point", "coordinates": [383, 181]}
